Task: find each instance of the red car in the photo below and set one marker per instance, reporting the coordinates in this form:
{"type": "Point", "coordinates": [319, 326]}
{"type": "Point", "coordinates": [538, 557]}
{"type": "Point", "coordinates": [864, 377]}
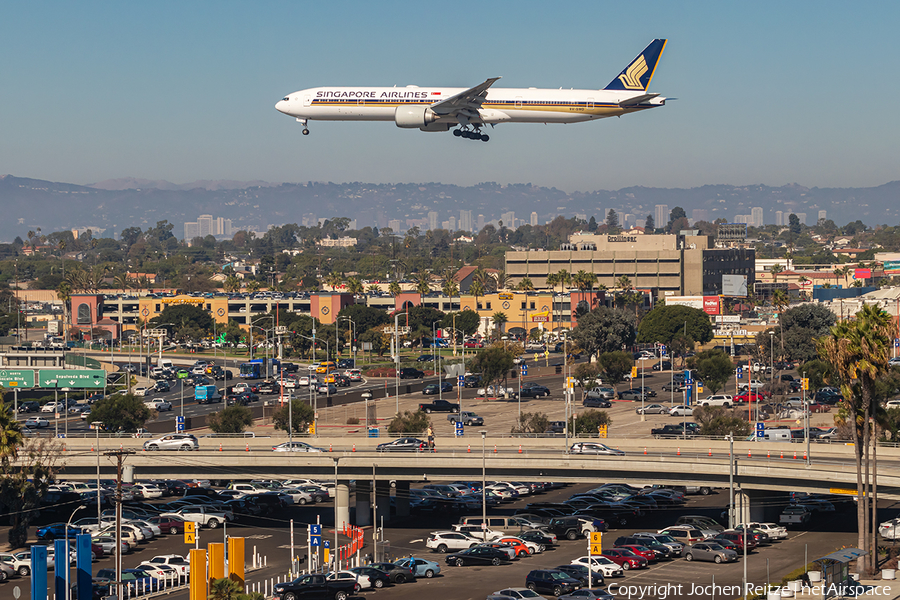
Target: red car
{"type": "Point", "coordinates": [473, 344]}
{"type": "Point", "coordinates": [644, 551]}
{"type": "Point", "coordinates": [625, 558]}
{"type": "Point", "coordinates": [168, 524]}
{"type": "Point", "coordinates": [748, 397]}
{"type": "Point", "coordinates": [737, 538]}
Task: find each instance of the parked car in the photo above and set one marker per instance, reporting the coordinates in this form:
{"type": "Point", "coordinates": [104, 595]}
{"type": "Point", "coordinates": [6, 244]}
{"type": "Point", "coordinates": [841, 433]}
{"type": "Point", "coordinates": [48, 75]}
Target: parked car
{"type": "Point", "coordinates": [420, 566]}
{"type": "Point", "coordinates": [479, 555]}
{"type": "Point", "coordinates": [534, 390]}
{"type": "Point", "coordinates": [652, 409]}
{"type": "Point", "coordinates": [551, 581]}
{"type": "Point", "coordinates": [681, 411]}
{"type": "Point", "coordinates": [709, 551]}
{"type": "Point", "coordinates": [450, 540]}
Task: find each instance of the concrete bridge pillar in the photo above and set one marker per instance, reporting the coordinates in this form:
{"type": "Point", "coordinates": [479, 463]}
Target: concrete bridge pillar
{"type": "Point", "coordinates": [342, 503]}
{"type": "Point", "coordinates": [759, 506]}
{"type": "Point", "coordinates": [401, 498]}
{"type": "Point", "coordinates": [363, 503]}
{"type": "Point", "coordinates": [382, 501]}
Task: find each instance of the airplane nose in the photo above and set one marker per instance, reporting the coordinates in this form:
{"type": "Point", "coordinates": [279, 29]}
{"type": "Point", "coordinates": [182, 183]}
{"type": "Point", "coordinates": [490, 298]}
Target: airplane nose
{"type": "Point", "coordinates": [281, 106]}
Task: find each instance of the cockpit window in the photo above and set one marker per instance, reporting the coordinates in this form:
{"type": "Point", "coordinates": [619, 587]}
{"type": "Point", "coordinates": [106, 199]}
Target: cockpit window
{"type": "Point", "coordinates": [286, 98]}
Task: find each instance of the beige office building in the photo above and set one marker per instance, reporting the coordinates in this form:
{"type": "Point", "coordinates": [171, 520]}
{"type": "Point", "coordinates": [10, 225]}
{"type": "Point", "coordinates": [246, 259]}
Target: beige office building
{"type": "Point", "coordinates": [665, 265]}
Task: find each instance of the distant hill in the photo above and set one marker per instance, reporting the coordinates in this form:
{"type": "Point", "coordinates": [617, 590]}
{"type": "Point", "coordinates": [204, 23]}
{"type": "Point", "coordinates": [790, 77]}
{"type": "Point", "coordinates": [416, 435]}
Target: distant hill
{"type": "Point", "coordinates": [121, 203]}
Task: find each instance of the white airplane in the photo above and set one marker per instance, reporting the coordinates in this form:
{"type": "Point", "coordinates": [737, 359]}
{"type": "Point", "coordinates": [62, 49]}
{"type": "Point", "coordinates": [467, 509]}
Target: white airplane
{"type": "Point", "coordinates": [443, 109]}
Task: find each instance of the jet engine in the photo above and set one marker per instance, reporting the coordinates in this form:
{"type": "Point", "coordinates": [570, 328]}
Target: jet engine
{"type": "Point", "coordinates": [414, 117]}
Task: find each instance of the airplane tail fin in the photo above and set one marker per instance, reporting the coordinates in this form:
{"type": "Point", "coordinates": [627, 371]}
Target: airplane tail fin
{"type": "Point", "coordinates": [637, 75]}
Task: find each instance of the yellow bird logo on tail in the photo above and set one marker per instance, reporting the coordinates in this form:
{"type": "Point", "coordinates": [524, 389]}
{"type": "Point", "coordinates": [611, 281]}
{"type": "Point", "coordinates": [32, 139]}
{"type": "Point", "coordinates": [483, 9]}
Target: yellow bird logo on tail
{"type": "Point", "coordinates": [631, 78]}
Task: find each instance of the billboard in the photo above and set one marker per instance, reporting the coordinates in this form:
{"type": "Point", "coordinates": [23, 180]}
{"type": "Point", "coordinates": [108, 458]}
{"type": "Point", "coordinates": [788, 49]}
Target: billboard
{"type": "Point", "coordinates": [734, 286]}
{"type": "Point", "coordinates": [711, 305]}
{"type": "Point", "coordinates": [862, 273]}
{"type": "Point", "coordinates": [692, 301]}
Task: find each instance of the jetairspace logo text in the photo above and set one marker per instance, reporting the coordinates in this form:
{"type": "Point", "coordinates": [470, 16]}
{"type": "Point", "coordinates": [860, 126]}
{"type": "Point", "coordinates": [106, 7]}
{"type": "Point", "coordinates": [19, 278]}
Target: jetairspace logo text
{"type": "Point", "coordinates": [670, 590]}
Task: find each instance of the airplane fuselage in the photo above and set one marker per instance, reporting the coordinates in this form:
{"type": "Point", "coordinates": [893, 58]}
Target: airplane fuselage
{"type": "Point", "coordinates": [501, 105]}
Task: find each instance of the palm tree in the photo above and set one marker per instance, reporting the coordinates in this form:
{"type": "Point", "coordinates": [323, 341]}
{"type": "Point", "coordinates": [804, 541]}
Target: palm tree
{"type": "Point", "coordinates": [10, 436]}
{"type": "Point", "coordinates": [526, 285]}
{"type": "Point", "coordinates": [476, 289]}
{"type": "Point", "coordinates": [804, 281]}
{"type": "Point", "coordinates": [500, 319]}
{"type": "Point", "coordinates": [373, 289]}
{"type": "Point", "coordinates": [481, 276]}
{"type": "Point", "coordinates": [334, 280]}
{"type": "Point", "coordinates": [502, 280]}
{"type": "Point", "coordinates": [232, 284]}
{"type": "Point", "coordinates": [858, 352]}
{"type": "Point", "coordinates": [780, 301]}
{"type": "Point", "coordinates": [423, 283]}
{"type": "Point", "coordinates": [225, 589]}
{"type": "Point", "coordinates": [355, 286]}
{"type": "Point", "coordinates": [775, 270]}
{"type": "Point", "coordinates": [394, 289]}
{"type": "Point", "coordinates": [252, 286]}
{"type": "Point", "coordinates": [121, 282]}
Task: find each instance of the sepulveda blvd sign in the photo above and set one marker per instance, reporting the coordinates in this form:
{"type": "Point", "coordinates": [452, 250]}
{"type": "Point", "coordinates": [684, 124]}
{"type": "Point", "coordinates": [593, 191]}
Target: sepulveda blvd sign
{"type": "Point", "coordinates": [21, 378]}
{"type": "Point", "coordinates": [71, 378]}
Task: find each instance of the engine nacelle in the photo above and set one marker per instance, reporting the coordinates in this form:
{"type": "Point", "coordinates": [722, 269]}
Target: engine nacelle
{"type": "Point", "coordinates": [414, 117]}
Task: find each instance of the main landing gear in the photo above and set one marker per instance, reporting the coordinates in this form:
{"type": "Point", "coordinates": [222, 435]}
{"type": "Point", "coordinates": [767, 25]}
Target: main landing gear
{"type": "Point", "coordinates": [471, 135]}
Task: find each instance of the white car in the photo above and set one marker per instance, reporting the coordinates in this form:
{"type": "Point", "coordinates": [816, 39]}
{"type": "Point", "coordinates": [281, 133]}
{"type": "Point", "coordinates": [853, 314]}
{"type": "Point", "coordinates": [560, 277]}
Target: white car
{"type": "Point", "coordinates": [681, 411]}
{"type": "Point", "coordinates": [37, 422]}
{"type": "Point", "coordinates": [147, 526]}
{"type": "Point", "coordinates": [52, 407]}
{"type": "Point", "coordinates": [775, 532]}
{"type": "Point", "coordinates": [240, 387]}
{"type": "Point", "coordinates": [147, 491]}
{"type": "Point", "coordinates": [107, 541]}
{"type": "Point", "coordinates": [890, 530]}
{"type": "Point", "coordinates": [522, 489]}
{"type": "Point", "coordinates": [363, 580]}
{"type": "Point", "coordinates": [176, 561]}
{"type": "Point", "coordinates": [159, 405]}
{"type": "Point", "coordinates": [476, 531]}
{"type": "Point", "coordinates": [142, 391]}
{"type": "Point", "coordinates": [450, 540]}
{"type": "Point", "coordinates": [90, 525]}
{"type": "Point", "coordinates": [163, 573]}
{"type": "Point", "coordinates": [496, 391]}
{"type": "Point", "coordinates": [602, 564]}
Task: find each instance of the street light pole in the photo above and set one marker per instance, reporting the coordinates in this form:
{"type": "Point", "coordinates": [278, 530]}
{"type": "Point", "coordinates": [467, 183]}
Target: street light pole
{"type": "Point", "coordinates": [483, 433]}
{"type": "Point", "coordinates": [730, 439]}
{"type": "Point", "coordinates": [97, 425]}
{"type": "Point", "coordinates": [397, 358]}
{"type": "Point", "coordinates": [68, 562]}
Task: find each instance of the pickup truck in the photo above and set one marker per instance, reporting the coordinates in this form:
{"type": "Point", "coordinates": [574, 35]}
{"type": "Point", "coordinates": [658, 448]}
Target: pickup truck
{"type": "Point", "coordinates": [795, 515]}
{"type": "Point", "coordinates": [607, 393]}
{"type": "Point", "coordinates": [465, 417]}
{"type": "Point", "coordinates": [671, 430]}
{"type": "Point", "coordinates": [204, 516]}
{"type": "Point", "coordinates": [439, 406]}
{"type": "Point", "coordinates": [316, 587]}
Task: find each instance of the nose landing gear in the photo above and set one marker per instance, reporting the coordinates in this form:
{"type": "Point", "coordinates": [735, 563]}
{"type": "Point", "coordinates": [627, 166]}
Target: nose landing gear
{"type": "Point", "coordinates": [305, 128]}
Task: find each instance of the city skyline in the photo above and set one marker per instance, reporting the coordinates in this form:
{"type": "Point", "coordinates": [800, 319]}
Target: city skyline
{"type": "Point", "coordinates": [188, 94]}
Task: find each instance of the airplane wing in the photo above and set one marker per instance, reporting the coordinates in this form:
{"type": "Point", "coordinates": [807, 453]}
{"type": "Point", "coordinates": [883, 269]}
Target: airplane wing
{"type": "Point", "coordinates": [466, 103]}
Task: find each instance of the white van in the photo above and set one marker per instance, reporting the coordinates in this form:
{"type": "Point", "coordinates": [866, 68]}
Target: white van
{"type": "Point", "coordinates": [165, 363]}
{"type": "Point", "coordinates": [505, 525]}
{"type": "Point", "coordinates": [776, 435]}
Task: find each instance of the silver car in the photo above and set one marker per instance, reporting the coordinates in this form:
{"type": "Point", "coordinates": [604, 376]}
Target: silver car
{"type": "Point", "coordinates": [173, 441]}
{"type": "Point", "coordinates": [709, 551]}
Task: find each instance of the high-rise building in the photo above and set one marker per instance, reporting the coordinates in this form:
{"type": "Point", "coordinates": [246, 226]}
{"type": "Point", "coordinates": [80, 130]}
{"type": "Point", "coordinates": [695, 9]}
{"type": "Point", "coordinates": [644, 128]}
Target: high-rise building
{"type": "Point", "coordinates": [756, 215]}
{"type": "Point", "coordinates": [432, 220]}
{"type": "Point", "coordinates": [823, 215]}
{"type": "Point", "coordinates": [534, 218]}
{"type": "Point", "coordinates": [779, 218]}
{"type": "Point", "coordinates": [509, 219]}
{"type": "Point", "coordinates": [394, 224]}
{"type": "Point", "coordinates": [697, 214]}
{"type": "Point", "coordinates": [206, 225]}
{"type": "Point", "coordinates": [661, 215]}
{"type": "Point", "coordinates": [480, 222]}
{"type": "Point", "coordinates": [802, 217]}
{"type": "Point", "coordinates": [581, 217]}
{"type": "Point", "coordinates": [451, 224]}
{"type": "Point", "coordinates": [465, 220]}
{"type": "Point", "coordinates": [191, 230]}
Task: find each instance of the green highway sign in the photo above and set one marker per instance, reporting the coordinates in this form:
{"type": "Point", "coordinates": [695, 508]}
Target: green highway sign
{"type": "Point", "coordinates": [22, 378]}
{"type": "Point", "coordinates": [72, 378]}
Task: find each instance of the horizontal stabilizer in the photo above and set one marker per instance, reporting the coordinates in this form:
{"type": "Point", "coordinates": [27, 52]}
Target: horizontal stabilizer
{"type": "Point", "coordinates": [637, 99]}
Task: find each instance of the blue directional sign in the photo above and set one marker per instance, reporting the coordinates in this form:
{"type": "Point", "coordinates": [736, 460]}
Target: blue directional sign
{"type": "Point", "coordinates": [179, 423]}
{"type": "Point", "coordinates": [459, 429]}
{"type": "Point", "coordinates": [315, 529]}
{"type": "Point", "coordinates": [760, 430]}
{"type": "Point", "coordinates": [460, 381]}
{"type": "Point", "coordinates": [896, 342]}
{"type": "Point", "coordinates": [315, 535]}
{"type": "Point", "coordinates": [524, 369]}
{"type": "Point", "coordinates": [315, 540]}
{"type": "Point", "coordinates": [326, 544]}
{"type": "Point", "coordinates": [662, 350]}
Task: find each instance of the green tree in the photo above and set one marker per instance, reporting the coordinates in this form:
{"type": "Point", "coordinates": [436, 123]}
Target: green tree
{"type": "Point", "coordinates": [664, 323]}
{"type": "Point", "coordinates": [493, 363]}
{"type": "Point", "coordinates": [818, 371]}
{"type": "Point", "coordinates": [588, 422]}
{"type": "Point", "coordinates": [409, 422]}
{"type": "Point", "coordinates": [121, 412]}
{"type": "Point", "coordinates": [365, 317]}
{"type": "Point", "coordinates": [585, 374]}
{"type": "Point", "coordinates": [187, 320]}
{"type": "Point", "coordinates": [233, 419]}
{"type": "Point", "coordinates": [604, 330]}
{"type": "Point", "coordinates": [299, 414]}
{"type": "Point", "coordinates": [615, 365]}
{"type": "Point", "coordinates": [719, 421]}
{"type": "Point", "coordinates": [713, 367]}
{"type": "Point", "coordinates": [229, 589]}
{"type": "Point", "coordinates": [24, 476]}
{"type": "Point", "coordinates": [466, 321]}
{"type": "Point", "coordinates": [801, 326]}
{"type": "Point", "coordinates": [612, 222]}
{"type": "Point", "coordinates": [531, 423]}
{"type": "Point", "coordinates": [499, 319]}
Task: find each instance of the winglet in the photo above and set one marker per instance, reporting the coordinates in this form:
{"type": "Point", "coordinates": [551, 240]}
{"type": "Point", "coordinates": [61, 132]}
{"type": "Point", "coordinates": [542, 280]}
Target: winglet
{"type": "Point", "coordinates": [636, 76]}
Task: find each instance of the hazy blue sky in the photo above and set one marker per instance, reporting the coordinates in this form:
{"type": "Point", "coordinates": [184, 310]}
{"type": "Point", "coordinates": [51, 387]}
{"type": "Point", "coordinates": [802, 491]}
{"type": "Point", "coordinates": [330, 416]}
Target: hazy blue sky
{"type": "Point", "coordinates": [768, 92]}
